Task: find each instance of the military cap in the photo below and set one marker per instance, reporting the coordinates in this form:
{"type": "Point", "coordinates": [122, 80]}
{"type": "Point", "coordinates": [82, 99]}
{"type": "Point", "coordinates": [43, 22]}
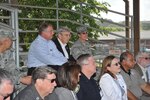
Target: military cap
{"type": "Point", "coordinates": [81, 29]}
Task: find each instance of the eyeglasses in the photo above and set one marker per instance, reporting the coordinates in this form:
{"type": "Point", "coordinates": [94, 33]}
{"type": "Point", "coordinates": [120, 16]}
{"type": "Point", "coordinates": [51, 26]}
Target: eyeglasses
{"type": "Point", "coordinates": [84, 33]}
{"type": "Point", "coordinates": [67, 35]}
{"type": "Point", "coordinates": [147, 58]}
{"type": "Point", "coordinates": [51, 80]}
{"type": "Point", "coordinates": [49, 31]}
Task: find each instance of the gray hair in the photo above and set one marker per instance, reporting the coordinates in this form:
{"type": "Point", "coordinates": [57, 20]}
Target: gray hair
{"type": "Point", "coordinates": [140, 54]}
{"type": "Point", "coordinates": [5, 75]}
{"type": "Point", "coordinates": [83, 59]}
{"type": "Point", "coordinates": [42, 72]}
{"type": "Point", "coordinates": [63, 29]}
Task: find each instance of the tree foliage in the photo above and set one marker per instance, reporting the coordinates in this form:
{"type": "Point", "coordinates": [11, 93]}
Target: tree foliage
{"type": "Point", "coordinates": [45, 10]}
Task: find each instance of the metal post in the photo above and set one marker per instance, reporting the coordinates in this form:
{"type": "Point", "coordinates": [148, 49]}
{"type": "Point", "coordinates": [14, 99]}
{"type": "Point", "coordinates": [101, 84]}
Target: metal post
{"type": "Point", "coordinates": [57, 14]}
{"type": "Point", "coordinates": [132, 35]}
{"type": "Point", "coordinates": [127, 24]}
{"type": "Point", "coordinates": [81, 16]}
{"type": "Point", "coordinates": [16, 26]}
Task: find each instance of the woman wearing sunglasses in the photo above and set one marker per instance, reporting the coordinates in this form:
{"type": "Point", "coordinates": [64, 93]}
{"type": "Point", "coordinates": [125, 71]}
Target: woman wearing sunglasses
{"type": "Point", "coordinates": [111, 82]}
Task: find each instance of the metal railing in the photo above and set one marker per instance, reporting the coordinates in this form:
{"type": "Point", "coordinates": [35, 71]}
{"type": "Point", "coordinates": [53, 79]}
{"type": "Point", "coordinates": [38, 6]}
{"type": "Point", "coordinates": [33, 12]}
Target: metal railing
{"type": "Point", "coordinates": [14, 21]}
{"type": "Point", "coordinates": [13, 28]}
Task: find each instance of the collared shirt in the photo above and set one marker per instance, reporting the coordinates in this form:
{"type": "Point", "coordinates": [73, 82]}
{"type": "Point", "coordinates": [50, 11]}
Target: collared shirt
{"type": "Point", "coordinates": [44, 52]}
{"type": "Point", "coordinates": [144, 72]}
{"type": "Point", "coordinates": [133, 81]}
{"type": "Point", "coordinates": [89, 89]}
{"type": "Point", "coordinates": [28, 93]}
{"type": "Point", "coordinates": [64, 48]}
{"type": "Point", "coordinates": [113, 89]}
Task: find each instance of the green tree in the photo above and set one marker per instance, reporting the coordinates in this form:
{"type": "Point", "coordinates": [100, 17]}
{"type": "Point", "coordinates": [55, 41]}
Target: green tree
{"type": "Point", "coordinates": [33, 10]}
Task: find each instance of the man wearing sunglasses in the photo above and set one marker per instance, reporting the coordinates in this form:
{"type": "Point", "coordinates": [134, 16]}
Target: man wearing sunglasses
{"type": "Point", "coordinates": [142, 62]}
{"type": "Point", "coordinates": [81, 46]}
{"type": "Point", "coordinates": [43, 83]}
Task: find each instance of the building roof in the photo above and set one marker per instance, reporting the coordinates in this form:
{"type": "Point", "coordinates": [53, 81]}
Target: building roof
{"type": "Point", "coordinates": [143, 35]}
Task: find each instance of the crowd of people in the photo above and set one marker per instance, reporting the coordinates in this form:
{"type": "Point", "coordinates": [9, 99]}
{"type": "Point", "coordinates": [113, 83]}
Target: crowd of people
{"type": "Point", "coordinates": [59, 72]}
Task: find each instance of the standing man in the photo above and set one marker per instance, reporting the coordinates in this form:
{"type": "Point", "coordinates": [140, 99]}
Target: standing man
{"type": "Point", "coordinates": [89, 89]}
{"type": "Point", "coordinates": [61, 42]}
{"type": "Point", "coordinates": [43, 83]}
{"type": "Point", "coordinates": [6, 85]}
{"type": "Point", "coordinates": [135, 84]}
{"type": "Point", "coordinates": [43, 50]}
{"type": "Point", "coordinates": [142, 62]}
{"type": "Point", "coordinates": [81, 46]}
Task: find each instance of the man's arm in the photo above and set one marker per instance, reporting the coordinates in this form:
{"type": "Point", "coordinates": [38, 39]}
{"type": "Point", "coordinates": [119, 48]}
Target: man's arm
{"type": "Point", "coordinates": [26, 80]}
{"type": "Point", "coordinates": [131, 96]}
{"type": "Point", "coordinates": [145, 87]}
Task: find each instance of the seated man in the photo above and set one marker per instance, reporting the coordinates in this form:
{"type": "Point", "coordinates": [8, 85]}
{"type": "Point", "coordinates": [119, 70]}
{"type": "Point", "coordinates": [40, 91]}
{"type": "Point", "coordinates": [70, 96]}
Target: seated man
{"type": "Point", "coordinates": [134, 82]}
{"type": "Point", "coordinates": [81, 46]}
{"type": "Point", "coordinates": [7, 61]}
{"type": "Point", "coordinates": [61, 42]}
{"type": "Point", "coordinates": [43, 83]}
{"type": "Point", "coordinates": [43, 51]}
{"type": "Point", "coordinates": [142, 62]}
{"type": "Point", "coordinates": [89, 89]}
{"type": "Point", "coordinates": [6, 85]}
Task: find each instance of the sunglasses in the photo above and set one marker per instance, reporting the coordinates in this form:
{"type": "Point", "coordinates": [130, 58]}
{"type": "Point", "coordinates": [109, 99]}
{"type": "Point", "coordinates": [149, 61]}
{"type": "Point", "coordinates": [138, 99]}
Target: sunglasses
{"type": "Point", "coordinates": [84, 33]}
{"type": "Point", "coordinates": [51, 80]}
{"type": "Point", "coordinates": [117, 64]}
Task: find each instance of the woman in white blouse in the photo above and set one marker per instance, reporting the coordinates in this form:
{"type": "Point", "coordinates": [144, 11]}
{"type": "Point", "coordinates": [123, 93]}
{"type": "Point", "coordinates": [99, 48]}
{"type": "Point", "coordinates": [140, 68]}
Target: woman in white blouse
{"type": "Point", "coordinates": [111, 82]}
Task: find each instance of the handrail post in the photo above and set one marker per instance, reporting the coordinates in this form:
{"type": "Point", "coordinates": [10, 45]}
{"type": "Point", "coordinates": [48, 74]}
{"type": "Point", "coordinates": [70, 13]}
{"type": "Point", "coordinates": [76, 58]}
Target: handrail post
{"type": "Point", "coordinates": [132, 35]}
{"type": "Point", "coordinates": [57, 14]}
{"type": "Point", "coordinates": [81, 16]}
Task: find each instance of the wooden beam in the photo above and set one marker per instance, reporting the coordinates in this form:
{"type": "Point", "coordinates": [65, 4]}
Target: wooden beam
{"type": "Point", "coordinates": [136, 14]}
{"type": "Point", "coordinates": [127, 24]}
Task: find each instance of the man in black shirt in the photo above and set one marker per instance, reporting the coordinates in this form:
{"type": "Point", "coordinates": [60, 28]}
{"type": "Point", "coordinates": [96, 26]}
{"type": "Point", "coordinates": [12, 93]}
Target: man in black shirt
{"type": "Point", "coordinates": [89, 90]}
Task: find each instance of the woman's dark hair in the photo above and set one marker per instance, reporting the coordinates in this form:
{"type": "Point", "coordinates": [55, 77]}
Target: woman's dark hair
{"type": "Point", "coordinates": [107, 63]}
{"type": "Point", "coordinates": [68, 75]}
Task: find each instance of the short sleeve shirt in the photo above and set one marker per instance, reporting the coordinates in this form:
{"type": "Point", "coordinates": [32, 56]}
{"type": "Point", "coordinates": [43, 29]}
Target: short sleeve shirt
{"type": "Point", "coordinates": [133, 82]}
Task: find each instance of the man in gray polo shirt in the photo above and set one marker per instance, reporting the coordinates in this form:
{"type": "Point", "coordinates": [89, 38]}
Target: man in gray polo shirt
{"type": "Point", "coordinates": [134, 82]}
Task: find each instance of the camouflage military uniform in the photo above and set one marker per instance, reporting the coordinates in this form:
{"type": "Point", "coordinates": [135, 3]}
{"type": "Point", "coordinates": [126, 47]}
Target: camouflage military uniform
{"type": "Point", "coordinates": [7, 62]}
{"type": "Point", "coordinates": [79, 48]}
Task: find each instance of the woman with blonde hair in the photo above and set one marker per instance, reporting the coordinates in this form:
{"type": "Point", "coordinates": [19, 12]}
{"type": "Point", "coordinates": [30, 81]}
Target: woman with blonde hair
{"type": "Point", "coordinates": [111, 82]}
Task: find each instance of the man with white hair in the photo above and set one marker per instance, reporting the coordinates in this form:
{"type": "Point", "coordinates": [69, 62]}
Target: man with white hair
{"type": "Point", "coordinates": [142, 62]}
{"type": "Point", "coordinates": [6, 85]}
{"type": "Point", "coordinates": [61, 42]}
{"type": "Point", "coordinates": [89, 89]}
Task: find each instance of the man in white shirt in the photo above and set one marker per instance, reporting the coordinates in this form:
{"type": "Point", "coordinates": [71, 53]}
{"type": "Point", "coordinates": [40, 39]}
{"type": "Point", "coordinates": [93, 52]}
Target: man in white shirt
{"type": "Point", "coordinates": [61, 42]}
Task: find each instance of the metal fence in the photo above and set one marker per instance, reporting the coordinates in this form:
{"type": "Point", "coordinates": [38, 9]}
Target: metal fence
{"type": "Point", "coordinates": [14, 19]}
